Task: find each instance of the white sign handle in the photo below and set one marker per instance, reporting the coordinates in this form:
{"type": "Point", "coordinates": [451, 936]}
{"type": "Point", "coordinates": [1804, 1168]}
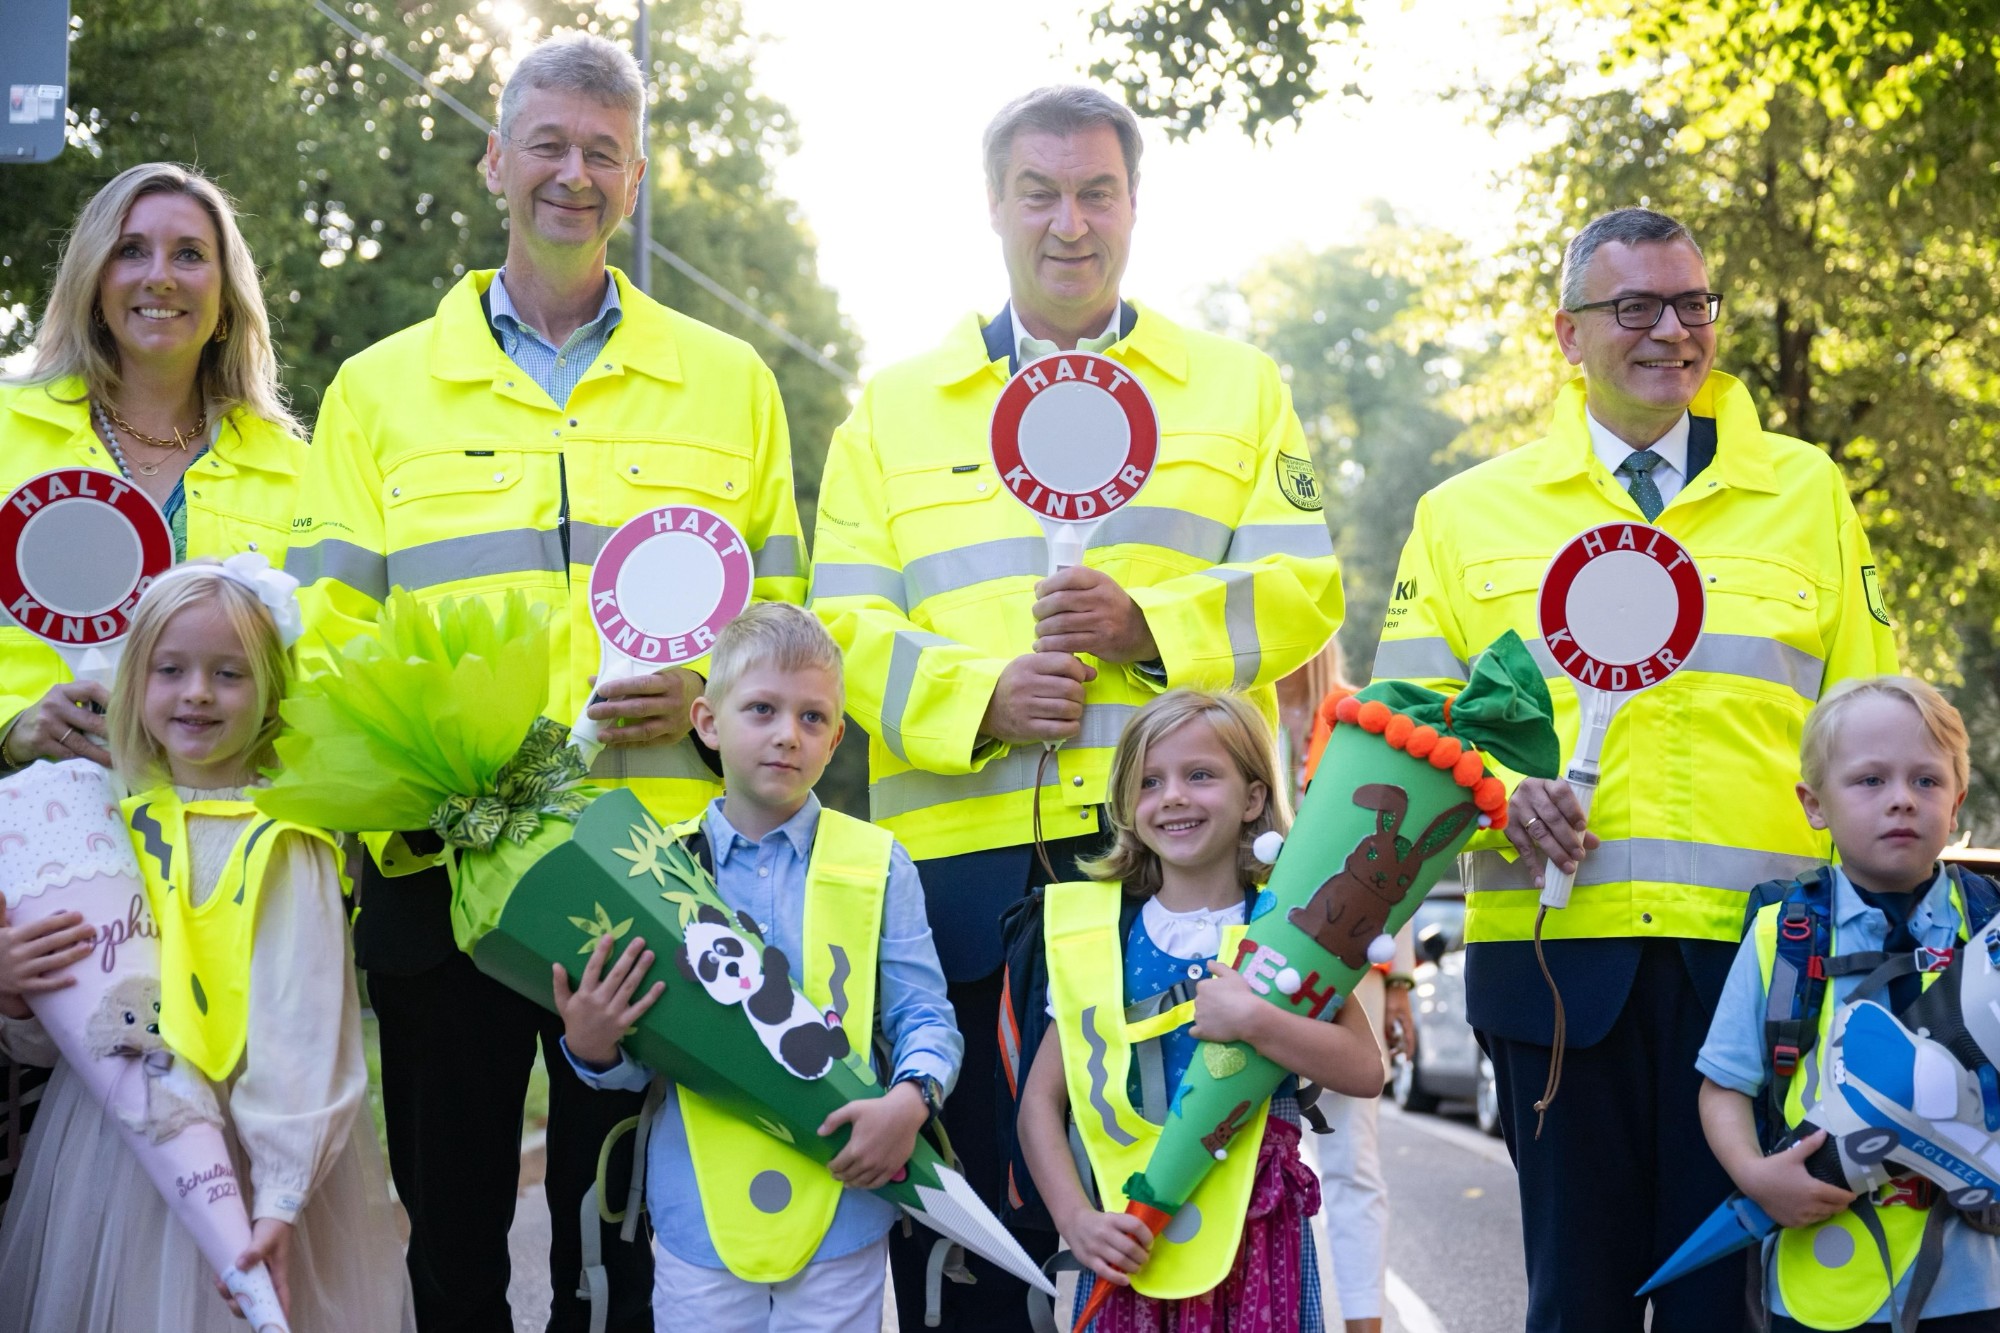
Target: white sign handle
{"type": "Point", "coordinates": [1066, 542]}
{"type": "Point", "coordinates": [96, 663]}
{"type": "Point", "coordinates": [586, 735]}
{"type": "Point", "coordinates": [1598, 706]}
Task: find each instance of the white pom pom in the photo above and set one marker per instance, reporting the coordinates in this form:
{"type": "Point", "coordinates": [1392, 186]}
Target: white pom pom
{"type": "Point", "coordinates": [1222, 1154]}
{"type": "Point", "coordinates": [1382, 949]}
{"type": "Point", "coordinates": [1486, 821]}
{"type": "Point", "coordinates": [1287, 981]}
{"type": "Point", "coordinates": [1266, 847]}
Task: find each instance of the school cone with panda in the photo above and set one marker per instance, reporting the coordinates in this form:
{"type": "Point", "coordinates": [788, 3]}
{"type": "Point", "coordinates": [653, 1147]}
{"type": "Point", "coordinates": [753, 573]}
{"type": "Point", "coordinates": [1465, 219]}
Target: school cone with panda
{"type": "Point", "coordinates": [414, 728]}
{"type": "Point", "coordinates": [1402, 786]}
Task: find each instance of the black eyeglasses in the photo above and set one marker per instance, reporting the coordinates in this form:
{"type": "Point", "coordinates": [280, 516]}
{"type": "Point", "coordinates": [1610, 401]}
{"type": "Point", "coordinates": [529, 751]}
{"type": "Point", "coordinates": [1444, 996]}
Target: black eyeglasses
{"type": "Point", "coordinates": [1692, 309]}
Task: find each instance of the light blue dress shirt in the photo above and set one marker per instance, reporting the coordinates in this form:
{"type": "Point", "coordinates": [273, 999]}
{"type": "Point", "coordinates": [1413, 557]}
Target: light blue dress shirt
{"type": "Point", "coordinates": [1735, 1057]}
{"type": "Point", "coordinates": [767, 879]}
{"type": "Point", "coordinates": [557, 369]}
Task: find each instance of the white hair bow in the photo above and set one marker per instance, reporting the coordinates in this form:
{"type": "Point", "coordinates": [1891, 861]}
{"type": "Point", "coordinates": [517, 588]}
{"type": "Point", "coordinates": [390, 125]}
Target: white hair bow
{"type": "Point", "coordinates": [275, 589]}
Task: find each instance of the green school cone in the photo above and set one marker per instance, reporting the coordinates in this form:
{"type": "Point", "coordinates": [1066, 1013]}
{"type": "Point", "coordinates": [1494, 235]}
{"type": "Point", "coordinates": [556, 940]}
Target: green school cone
{"type": "Point", "coordinates": [1401, 787]}
{"type": "Point", "coordinates": [422, 725]}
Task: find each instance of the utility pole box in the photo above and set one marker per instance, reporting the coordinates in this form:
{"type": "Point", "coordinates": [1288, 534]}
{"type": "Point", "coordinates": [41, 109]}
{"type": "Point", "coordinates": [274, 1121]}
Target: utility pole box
{"type": "Point", "coordinates": [34, 76]}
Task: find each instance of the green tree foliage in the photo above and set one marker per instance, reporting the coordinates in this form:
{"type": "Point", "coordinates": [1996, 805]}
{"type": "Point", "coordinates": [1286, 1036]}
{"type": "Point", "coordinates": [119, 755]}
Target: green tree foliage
{"type": "Point", "coordinates": [1370, 395]}
{"type": "Point", "coordinates": [1190, 62]}
{"type": "Point", "coordinates": [363, 195]}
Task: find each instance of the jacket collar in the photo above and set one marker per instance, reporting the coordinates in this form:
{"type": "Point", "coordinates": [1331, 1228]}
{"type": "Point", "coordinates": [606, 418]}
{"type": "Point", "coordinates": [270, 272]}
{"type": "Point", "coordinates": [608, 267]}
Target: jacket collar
{"type": "Point", "coordinates": [981, 346]}
{"type": "Point", "coordinates": [1742, 455]}
{"type": "Point", "coordinates": [463, 347]}
{"type": "Point", "coordinates": [63, 403]}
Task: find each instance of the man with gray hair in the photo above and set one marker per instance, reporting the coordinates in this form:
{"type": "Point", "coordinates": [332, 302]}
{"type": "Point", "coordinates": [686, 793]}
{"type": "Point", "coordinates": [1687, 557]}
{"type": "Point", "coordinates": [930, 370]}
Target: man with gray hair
{"type": "Point", "coordinates": [968, 663]}
{"type": "Point", "coordinates": [491, 450]}
{"type": "Point", "coordinates": [1694, 805]}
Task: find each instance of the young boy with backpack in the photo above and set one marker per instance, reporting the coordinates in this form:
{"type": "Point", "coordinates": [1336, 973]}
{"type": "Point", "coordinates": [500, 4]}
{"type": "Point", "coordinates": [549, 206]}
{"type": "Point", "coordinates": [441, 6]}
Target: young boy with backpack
{"type": "Point", "coordinates": [1885, 768]}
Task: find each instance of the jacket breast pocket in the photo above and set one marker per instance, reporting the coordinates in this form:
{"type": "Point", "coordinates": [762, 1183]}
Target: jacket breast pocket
{"type": "Point", "coordinates": [1502, 594]}
{"type": "Point", "coordinates": [646, 474]}
{"type": "Point", "coordinates": [953, 527]}
{"type": "Point", "coordinates": [450, 480]}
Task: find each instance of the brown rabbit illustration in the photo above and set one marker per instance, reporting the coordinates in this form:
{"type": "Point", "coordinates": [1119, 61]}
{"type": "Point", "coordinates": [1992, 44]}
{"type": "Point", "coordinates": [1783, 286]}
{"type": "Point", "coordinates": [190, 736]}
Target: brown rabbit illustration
{"type": "Point", "coordinates": [1350, 909]}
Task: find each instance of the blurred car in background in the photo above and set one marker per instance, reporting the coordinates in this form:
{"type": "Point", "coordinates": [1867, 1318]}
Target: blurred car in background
{"type": "Point", "coordinates": [1449, 1064]}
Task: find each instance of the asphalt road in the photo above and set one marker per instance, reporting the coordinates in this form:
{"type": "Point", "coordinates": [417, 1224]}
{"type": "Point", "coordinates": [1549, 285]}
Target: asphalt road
{"type": "Point", "coordinates": [1454, 1234]}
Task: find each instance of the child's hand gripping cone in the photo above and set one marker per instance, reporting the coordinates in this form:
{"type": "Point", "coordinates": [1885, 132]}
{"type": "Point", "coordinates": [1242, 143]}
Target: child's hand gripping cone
{"type": "Point", "coordinates": [64, 848]}
{"type": "Point", "coordinates": [1402, 786]}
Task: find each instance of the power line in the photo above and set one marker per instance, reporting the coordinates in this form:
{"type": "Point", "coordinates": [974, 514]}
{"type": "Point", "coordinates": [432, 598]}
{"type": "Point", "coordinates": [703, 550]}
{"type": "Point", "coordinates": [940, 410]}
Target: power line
{"type": "Point", "coordinates": [379, 48]}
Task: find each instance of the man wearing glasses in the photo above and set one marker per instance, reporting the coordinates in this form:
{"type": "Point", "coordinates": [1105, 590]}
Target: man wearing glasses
{"type": "Point", "coordinates": [494, 448]}
{"type": "Point", "coordinates": [1695, 803]}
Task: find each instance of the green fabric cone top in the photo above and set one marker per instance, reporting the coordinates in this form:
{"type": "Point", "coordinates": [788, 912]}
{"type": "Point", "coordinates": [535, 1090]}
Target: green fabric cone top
{"type": "Point", "coordinates": [1504, 708]}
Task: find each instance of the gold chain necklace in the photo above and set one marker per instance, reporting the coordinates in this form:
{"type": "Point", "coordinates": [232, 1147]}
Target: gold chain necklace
{"type": "Point", "coordinates": [180, 441]}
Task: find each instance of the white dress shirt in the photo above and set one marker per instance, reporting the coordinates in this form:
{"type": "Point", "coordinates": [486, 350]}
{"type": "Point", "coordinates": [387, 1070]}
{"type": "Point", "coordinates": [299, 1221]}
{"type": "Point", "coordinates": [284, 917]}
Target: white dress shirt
{"type": "Point", "coordinates": [1672, 472]}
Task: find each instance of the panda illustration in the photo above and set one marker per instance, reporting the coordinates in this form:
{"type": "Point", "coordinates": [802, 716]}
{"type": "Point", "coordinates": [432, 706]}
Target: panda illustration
{"type": "Point", "coordinates": [803, 1040]}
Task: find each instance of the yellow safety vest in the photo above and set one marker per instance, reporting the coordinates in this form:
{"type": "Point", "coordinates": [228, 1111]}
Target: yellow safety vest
{"type": "Point", "coordinates": [1086, 961]}
{"type": "Point", "coordinates": [1694, 805]}
{"type": "Point", "coordinates": [767, 1204]}
{"type": "Point", "coordinates": [925, 568]}
{"type": "Point", "coordinates": [205, 949]}
{"type": "Point", "coordinates": [438, 465]}
{"type": "Point", "coordinates": [241, 496]}
{"type": "Point", "coordinates": [1830, 1275]}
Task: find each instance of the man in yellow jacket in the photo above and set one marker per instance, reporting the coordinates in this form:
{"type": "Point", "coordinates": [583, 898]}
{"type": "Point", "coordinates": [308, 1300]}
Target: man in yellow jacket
{"type": "Point", "coordinates": [964, 661]}
{"type": "Point", "coordinates": [490, 449]}
{"type": "Point", "coordinates": [1695, 803]}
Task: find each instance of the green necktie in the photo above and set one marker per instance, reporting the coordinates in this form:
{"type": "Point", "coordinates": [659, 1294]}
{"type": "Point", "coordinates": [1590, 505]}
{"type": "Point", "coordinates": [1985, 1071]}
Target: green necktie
{"type": "Point", "coordinates": [1638, 469]}
{"type": "Point", "coordinates": [1034, 349]}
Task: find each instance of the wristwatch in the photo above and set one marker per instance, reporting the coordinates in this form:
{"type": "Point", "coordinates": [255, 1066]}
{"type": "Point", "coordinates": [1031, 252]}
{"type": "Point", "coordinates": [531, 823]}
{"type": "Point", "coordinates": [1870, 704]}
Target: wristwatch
{"type": "Point", "coordinates": [928, 1088]}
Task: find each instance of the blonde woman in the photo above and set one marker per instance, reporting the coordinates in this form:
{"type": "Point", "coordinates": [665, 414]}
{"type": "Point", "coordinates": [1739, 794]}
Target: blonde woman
{"type": "Point", "coordinates": [153, 360]}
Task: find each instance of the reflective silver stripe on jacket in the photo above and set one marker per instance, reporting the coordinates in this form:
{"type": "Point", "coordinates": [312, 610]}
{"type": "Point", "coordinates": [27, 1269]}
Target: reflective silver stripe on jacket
{"type": "Point", "coordinates": [1194, 536]}
{"type": "Point", "coordinates": [1254, 541]}
{"type": "Point", "coordinates": [1239, 618]}
{"type": "Point", "coordinates": [679, 760]}
{"type": "Point", "coordinates": [1704, 865]}
{"type": "Point", "coordinates": [365, 571]}
{"type": "Point", "coordinates": [905, 647]}
{"type": "Point", "coordinates": [476, 555]}
{"type": "Point", "coordinates": [859, 581]}
{"type": "Point", "coordinates": [777, 558]}
{"type": "Point", "coordinates": [1751, 656]}
{"type": "Point", "coordinates": [905, 793]}
{"type": "Point", "coordinates": [1418, 659]}
{"type": "Point", "coordinates": [941, 572]}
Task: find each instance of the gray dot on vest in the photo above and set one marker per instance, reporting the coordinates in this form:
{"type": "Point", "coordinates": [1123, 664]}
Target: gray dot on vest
{"type": "Point", "coordinates": [1833, 1247]}
{"type": "Point", "coordinates": [770, 1191]}
{"type": "Point", "coordinates": [1076, 781]}
{"type": "Point", "coordinates": [510, 384]}
{"type": "Point", "coordinates": [572, 421]}
{"type": "Point", "coordinates": [1646, 917]}
{"type": "Point", "coordinates": [395, 490]}
{"type": "Point", "coordinates": [253, 546]}
{"type": "Point", "coordinates": [635, 469]}
{"type": "Point", "coordinates": [1186, 1223]}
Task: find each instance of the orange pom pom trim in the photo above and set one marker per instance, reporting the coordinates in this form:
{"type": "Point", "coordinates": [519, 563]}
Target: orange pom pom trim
{"type": "Point", "coordinates": [1466, 765]}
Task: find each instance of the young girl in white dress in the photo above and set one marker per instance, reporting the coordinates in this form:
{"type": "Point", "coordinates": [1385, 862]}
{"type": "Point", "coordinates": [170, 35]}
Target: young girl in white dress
{"type": "Point", "coordinates": [87, 1244]}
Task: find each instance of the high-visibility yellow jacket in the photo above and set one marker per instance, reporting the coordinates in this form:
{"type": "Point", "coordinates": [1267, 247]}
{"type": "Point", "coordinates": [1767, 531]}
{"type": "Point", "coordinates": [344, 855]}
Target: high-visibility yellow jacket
{"type": "Point", "coordinates": [241, 496]}
{"type": "Point", "coordinates": [926, 573]}
{"type": "Point", "coordinates": [439, 466]}
{"type": "Point", "coordinates": [1695, 800]}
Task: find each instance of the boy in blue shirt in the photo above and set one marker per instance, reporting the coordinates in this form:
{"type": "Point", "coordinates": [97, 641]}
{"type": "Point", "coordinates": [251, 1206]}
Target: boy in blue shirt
{"type": "Point", "coordinates": [749, 1234]}
{"type": "Point", "coordinates": [1885, 768]}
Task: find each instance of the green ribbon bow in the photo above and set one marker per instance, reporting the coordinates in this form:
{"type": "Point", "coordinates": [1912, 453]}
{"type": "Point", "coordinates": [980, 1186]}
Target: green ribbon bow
{"type": "Point", "coordinates": [1504, 708]}
{"type": "Point", "coordinates": [541, 779]}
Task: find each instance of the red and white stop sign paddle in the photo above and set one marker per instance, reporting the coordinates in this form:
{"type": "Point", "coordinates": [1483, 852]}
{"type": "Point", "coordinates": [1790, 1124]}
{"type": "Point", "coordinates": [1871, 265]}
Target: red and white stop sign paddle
{"type": "Point", "coordinates": [1621, 609]}
{"type": "Point", "coordinates": [1074, 437]}
{"type": "Point", "coordinates": [663, 587]}
{"type": "Point", "coordinates": [77, 549]}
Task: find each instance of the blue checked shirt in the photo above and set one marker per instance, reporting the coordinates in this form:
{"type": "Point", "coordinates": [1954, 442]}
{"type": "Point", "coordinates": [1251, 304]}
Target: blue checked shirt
{"type": "Point", "coordinates": [767, 879]}
{"type": "Point", "coordinates": [557, 369]}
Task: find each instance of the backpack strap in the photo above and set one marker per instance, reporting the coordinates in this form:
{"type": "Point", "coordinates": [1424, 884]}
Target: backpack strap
{"type": "Point", "coordinates": [1798, 981]}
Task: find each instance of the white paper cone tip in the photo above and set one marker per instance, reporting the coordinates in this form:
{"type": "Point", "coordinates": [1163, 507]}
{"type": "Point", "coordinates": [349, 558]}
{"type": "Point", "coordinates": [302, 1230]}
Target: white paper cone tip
{"type": "Point", "coordinates": [957, 1214]}
{"type": "Point", "coordinates": [258, 1299]}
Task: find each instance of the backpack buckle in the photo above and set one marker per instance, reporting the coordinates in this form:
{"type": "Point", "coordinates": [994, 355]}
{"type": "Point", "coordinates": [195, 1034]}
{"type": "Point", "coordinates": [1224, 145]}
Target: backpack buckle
{"type": "Point", "coordinates": [1785, 1059]}
{"type": "Point", "coordinates": [1796, 924]}
{"type": "Point", "coordinates": [1933, 960]}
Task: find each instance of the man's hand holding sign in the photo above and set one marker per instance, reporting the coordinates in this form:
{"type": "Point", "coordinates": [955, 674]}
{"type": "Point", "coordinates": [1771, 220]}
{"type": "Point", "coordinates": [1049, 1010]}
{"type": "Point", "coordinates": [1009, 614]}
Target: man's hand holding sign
{"type": "Point", "coordinates": [1074, 438]}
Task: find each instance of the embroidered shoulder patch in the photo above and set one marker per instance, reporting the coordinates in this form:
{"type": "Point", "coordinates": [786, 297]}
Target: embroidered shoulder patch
{"type": "Point", "coordinates": [1871, 585]}
{"type": "Point", "coordinates": [1299, 485]}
